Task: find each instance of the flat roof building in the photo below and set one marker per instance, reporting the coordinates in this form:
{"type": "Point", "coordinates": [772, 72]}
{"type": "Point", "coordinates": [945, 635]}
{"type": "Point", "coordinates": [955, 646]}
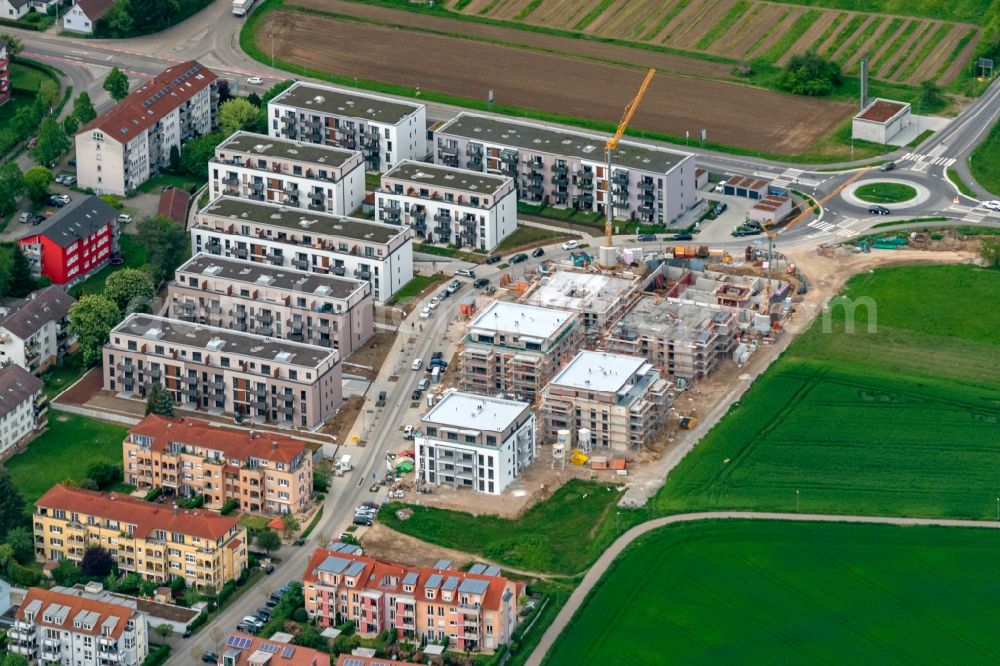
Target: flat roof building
{"type": "Point", "coordinates": [881, 121]}
{"type": "Point", "coordinates": [600, 299]}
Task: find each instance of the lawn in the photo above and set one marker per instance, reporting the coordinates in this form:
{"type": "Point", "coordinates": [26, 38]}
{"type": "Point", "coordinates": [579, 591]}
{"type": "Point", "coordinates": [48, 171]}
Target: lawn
{"type": "Point", "coordinates": [63, 376]}
{"type": "Point", "coordinates": [970, 11]}
{"type": "Point", "coordinates": [158, 182]}
{"type": "Point", "coordinates": [134, 255]}
{"type": "Point", "coordinates": [525, 235]}
{"type": "Point", "coordinates": [902, 421]}
{"type": "Point", "coordinates": [740, 592]}
{"type": "Point", "coordinates": [415, 286]}
{"type": "Point", "coordinates": [65, 450]}
{"type": "Point", "coordinates": [985, 161]}
{"type": "Point", "coordinates": [885, 192]}
{"type": "Point", "coordinates": [954, 177]}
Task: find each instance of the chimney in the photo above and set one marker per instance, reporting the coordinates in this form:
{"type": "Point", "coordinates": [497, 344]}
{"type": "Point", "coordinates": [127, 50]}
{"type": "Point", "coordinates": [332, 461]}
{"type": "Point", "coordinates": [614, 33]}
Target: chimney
{"type": "Point", "coordinates": [175, 509]}
{"type": "Point", "coordinates": [274, 445]}
{"type": "Point", "coordinates": [251, 435]}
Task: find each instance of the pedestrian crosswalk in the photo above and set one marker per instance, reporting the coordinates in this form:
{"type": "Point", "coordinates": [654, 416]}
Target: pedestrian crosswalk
{"type": "Point", "coordinates": [974, 215]}
{"type": "Point", "coordinates": [842, 229]}
{"type": "Point", "coordinates": [921, 162]}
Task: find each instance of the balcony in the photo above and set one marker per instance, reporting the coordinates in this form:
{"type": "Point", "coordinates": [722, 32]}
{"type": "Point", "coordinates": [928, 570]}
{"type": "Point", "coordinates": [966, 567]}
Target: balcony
{"type": "Point", "coordinates": [390, 215]}
{"type": "Point", "coordinates": [301, 263]}
{"type": "Point", "coordinates": [256, 186]}
{"type": "Point", "coordinates": [508, 156]}
{"type": "Point", "coordinates": [442, 218]}
{"type": "Point", "coordinates": [241, 252]}
{"type": "Point", "coordinates": [231, 181]}
{"type": "Point", "coordinates": [560, 180]}
{"type": "Point", "coordinates": [363, 273]}
{"type": "Point", "coordinates": [275, 258]}
{"type": "Point", "coordinates": [620, 177]}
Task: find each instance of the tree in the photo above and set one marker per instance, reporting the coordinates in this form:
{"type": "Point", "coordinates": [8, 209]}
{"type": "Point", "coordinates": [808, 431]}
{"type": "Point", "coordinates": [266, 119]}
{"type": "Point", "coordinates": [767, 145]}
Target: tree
{"type": "Point", "coordinates": [196, 153]}
{"type": "Point", "coordinates": [809, 74]}
{"type": "Point", "coordinates": [11, 187]}
{"type": "Point", "coordinates": [130, 289]}
{"type": "Point", "coordinates": [52, 142]}
{"type": "Point", "coordinates": [931, 96]}
{"type": "Point", "coordinates": [88, 484]}
{"type": "Point", "coordinates": [104, 474]}
{"type": "Point", "coordinates": [116, 83]}
{"type": "Point", "coordinates": [11, 505]}
{"type": "Point", "coordinates": [22, 280]}
{"type": "Point", "coordinates": [175, 159]}
{"type": "Point", "coordinates": [166, 244]}
{"type": "Point", "coordinates": [254, 99]}
{"type": "Point", "coordinates": [70, 125]}
{"type": "Point", "coordinates": [222, 86]}
{"type": "Point", "coordinates": [159, 401]}
{"type": "Point", "coordinates": [91, 319]}
{"type": "Point", "coordinates": [22, 543]}
{"type": "Point", "coordinates": [118, 21]}
{"type": "Point", "coordinates": [11, 659]}
{"type": "Point", "coordinates": [66, 573]}
{"type": "Point", "coordinates": [291, 525]}
{"type": "Point", "coordinates": [269, 540]}
{"type": "Point", "coordinates": [97, 562]}
{"type": "Point", "coordinates": [6, 555]}
{"type": "Point", "coordinates": [990, 252]}
{"type": "Point", "coordinates": [83, 108]}
{"type": "Point", "coordinates": [48, 94]}
{"type": "Point", "coordinates": [14, 44]}
{"type": "Point", "coordinates": [36, 183]}
{"type": "Point", "coordinates": [25, 121]}
{"type": "Point", "coordinates": [164, 630]}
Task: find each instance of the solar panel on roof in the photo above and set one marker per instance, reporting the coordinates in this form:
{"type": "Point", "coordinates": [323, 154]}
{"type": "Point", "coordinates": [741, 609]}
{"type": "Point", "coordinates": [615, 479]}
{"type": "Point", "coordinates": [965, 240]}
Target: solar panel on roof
{"type": "Point", "coordinates": [351, 661]}
{"type": "Point", "coordinates": [287, 652]}
{"type": "Point", "coordinates": [492, 571]}
{"type": "Point", "coordinates": [238, 642]}
{"type": "Point", "coordinates": [270, 648]}
{"type": "Point", "coordinates": [477, 568]}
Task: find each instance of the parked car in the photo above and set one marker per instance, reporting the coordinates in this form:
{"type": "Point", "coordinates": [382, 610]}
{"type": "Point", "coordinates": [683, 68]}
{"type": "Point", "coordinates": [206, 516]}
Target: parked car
{"type": "Point", "coordinates": [269, 569]}
{"type": "Point", "coordinates": [570, 245]}
{"type": "Point", "coordinates": [38, 219]}
{"type": "Point", "coordinates": [417, 364]}
{"type": "Point", "coordinates": [408, 432]}
{"type": "Point", "coordinates": [434, 303]}
{"type": "Point", "coordinates": [124, 218]}
{"type": "Point", "coordinates": [68, 179]}
{"type": "Point", "coordinates": [493, 259]}
{"type": "Point", "coordinates": [72, 162]}
{"type": "Point", "coordinates": [415, 396]}
{"type": "Point", "coordinates": [466, 272]}
{"type": "Point", "coordinates": [361, 520]}
{"type": "Point", "coordinates": [424, 384]}
{"type": "Point", "coordinates": [454, 286]}
{"type": "Point", "coordinates": [255, 80]}
{"type": "Point", "coordinates": [56, 201]}
{"type": "Point", "coordinates": [888, 166]}
{"type": "Point", "coordinates": [992, 205]}
{"type": "Point", "coordinates": [443, 294]}
{"type": "Point", "coordinates": [371, 505]}
{"type": "Point", "coordinates": [426, 313]}
{"type": "Point", "coordinates": [537, 252]}
{"type": "Point", "coordinates": [721, 207]}
{"type": "Point", "coordinates": [645, 238]}
{"type": "Point", "coordinates": [721, 185]}
{"type": "Point", "coordinates": [517, 258]}
{"type": "Point", "coordinates": [251, 619]}
{"type": "Point", "coordinates": [381, 399]}
{"type": "Point", "coordinates": [25, 217]}
{"type": "Point", "coordinates": [210, 658]}
{"type": "Point", "coordinates": [437, 354]}
{"type": "Point", "coordinates": [682, 237]}
{"type": "Point", "coordinates": [878, 210]}
{"type": "Point", "coordinates": [480, 283]}
{"type": "Point", "coordinates": [247, 628]}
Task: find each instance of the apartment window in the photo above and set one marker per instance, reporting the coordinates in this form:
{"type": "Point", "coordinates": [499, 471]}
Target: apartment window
{"type": "Point", "coordinates": [265, 369]}
{"type": "Point", "coordinates": [196, 356]}
{"type": "Point", "coordinates": [224, 361]}
{"type": "Point", "coordinates": [293, 374]}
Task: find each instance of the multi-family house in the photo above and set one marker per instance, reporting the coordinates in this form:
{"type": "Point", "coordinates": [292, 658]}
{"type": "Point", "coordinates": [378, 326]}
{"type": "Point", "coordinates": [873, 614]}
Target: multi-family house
{"type": "Point", "coordinates": [35, 333]}
{"type": "Point", "coordinates": [475, 610]}
{"type": "Point", "coordinates": [599, 298]}
{"type": "Point", "coordinates": [560, 167]}
{"type": "Point", "coordinates": [448, 205]}
{"type": "Point", "coordinates": [385, 130]}
{"type": "Point", "coordinates": [4, 72]}
{"type": "Point", "coordinates": [515, 348]}
{"type": "Point", "coordinates": [73, 244]}
{"type": "Point", "coordinates": [264, 472]}
{"type": "Point", "coordinates": [246, 650]}
{"type": "Point", "coordinates": [606, 400]}
{"type": "Point", "coordinates": [310, 241]}
{"type": "Point", "coordinates": [475, 441]}
{"type": "Point", "coordinates": [155, 541]}
{"type": "Point", "coordinates": [324, 310]}
{"type": "Point", "coordinates": [251, 377]}
{"type": "Point", "coordinates": [291, 173]}
{"type": "Point", "coordinates": [22, 406]}
{"type": "Point", "coordinates": [130, 142]}
{"type": "Point", "coordinates": [79, 626]}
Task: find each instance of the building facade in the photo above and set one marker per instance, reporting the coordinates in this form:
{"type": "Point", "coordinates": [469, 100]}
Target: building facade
{"type": "Point", "coordinates": [158, 542]}
{"type": "Point", "coordinates": [448, 205]}
{"type": "Point", "coordinates": [127, 144]}
{"type": "Point", "coordinates": [474, 611]}
{"type": "Point", "coordinates": [475, 441]}
{"type": "Point", "coordinates": [324, 310]}
{"type": "Point", "coordinates": [79, 626]}
{"type": "Point", "coordinates": [36, 333]}
{"type": "Point", "coordinates": [22, 406]}
{"type": "Point", "coordinates": [4, 72]}
{"type": "Point", "coordinates": [287, 172]}
{"type": "Point", "coordinates": [515, 349]}
{"type": "Point", "coordinates": [385, 130]}
{"type": "Point", "coordinates": [84, 14]}
{"type": "Point", "coordinates": [563, 168]}
{"type": "Point", "coordinates": [73, 244]}
{"type": "Point", "coordinates": [251, 377]}
{"type": "Point", "coordinates": [265, 472]}
{"type": "Point", "coordinates": [246, 650]}
{"type": "Point", "coordinates": [606, 400]}
{"type": "Point", "coordinates": [381, 254]}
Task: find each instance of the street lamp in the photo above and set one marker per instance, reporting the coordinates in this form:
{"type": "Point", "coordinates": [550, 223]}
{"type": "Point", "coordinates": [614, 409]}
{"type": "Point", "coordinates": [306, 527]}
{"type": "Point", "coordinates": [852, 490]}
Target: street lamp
{"type": "Point", "coordinates": [797, 504]}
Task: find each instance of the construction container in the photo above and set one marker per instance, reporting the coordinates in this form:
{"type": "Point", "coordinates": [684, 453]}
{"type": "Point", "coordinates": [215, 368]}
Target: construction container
{"type": "Point", "coordinates": [702, 251]}
{"type": "Point", "coordinates": [598, 462]}
{"type": "Point", "coordinates": [617, 462]}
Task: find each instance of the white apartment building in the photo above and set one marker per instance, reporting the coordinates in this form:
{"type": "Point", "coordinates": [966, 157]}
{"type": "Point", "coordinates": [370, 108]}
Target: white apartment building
{"type": "Point", "coordinates": [22, 406]}
{"type": "Point", "coordinates": [290, 173]}
{"type": "Point", "coordinates": [79, 626]}
{"type": "Point", "coordinates": [475, 441]}
{"type": "Point", "coordinates": [121, 148]}
{"type": "Point", "coordinates": [385, 130]}
{"type": "Point", "coordinates": [448, 205]}
{"type": "Point", "coordinates": [35, 334]}
{"type": "Point", "coordinates": [381, 254]}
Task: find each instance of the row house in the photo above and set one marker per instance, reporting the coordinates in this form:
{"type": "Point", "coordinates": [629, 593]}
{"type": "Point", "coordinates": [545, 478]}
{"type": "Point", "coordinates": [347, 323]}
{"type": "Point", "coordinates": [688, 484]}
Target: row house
{"type": "Point", "coordinates": [264, 472]}
{"type": "Point", "coordinates": [606, 400]}
{"type": "Point", "coordinates": [252, 378]}
{"type": "Point", "coordinates": [73, 244]}
{"type": "Point", "coordinates": [515, 349]}
{"type": "Point", "coordinates": [35, 333]}
{"type": "Point", "coordinates": [23, 406]}
{"type": "Point", "coordinates": [158, 542]}
{"type": "Point", "coordinates": [385, 130]}
{"type": "Point", "coordinates": [474, 612]}
{"type": "Point", "coordinates": [325, 310]}
{"type": "Point", "coordinates": [288, 172]}
{"type": "Point", "coordinates": [476, 442]}
{"type": "Point", "coordinates": [132, 141]}
{"type": "Point", "coordinates": [381, 254]}
{"type": "Point", "coordinates": [448, 205]}
{"type": "Point", "coordinates": [563, 168]}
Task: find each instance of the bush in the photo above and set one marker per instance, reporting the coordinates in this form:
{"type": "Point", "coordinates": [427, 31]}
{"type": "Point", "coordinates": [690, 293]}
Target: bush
{"type": "Point", "coordinates": [810, 74]}
{"type": "Point", "coordinates": [154, 494]}
{"type": "Point", "coordinates": [226, 592]}
{"type": "Point", "coordinates": [198, 622]}
{"type": "Point", "coordinates": [158, 655]}
{"type": "Point", "coordinates": [22, 576]}
{"type": "Point", "coordinates": [300, 615]}
{"type": "Point", "coordinates": [230, 506]}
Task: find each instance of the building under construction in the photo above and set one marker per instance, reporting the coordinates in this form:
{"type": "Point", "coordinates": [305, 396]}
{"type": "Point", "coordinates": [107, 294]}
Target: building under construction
{"type": "Point", "coordinates": [599, 299]}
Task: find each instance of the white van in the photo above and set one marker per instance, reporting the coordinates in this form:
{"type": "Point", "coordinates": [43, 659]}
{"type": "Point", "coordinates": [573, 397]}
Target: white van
{"type": "Point", "coordinates": [466, 272]}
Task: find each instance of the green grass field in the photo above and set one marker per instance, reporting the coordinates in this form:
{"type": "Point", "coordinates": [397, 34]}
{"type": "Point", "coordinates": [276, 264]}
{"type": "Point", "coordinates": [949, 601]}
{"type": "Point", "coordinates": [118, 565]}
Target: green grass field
{"type": "Point", "coordinates": [416, 285]}
{"type": "Point", "coordinates": [735, 592]}
{"type": "Point", "coordinates": [885, 192]}
{"type": "Point", "coordinates": [529, 235]}
{"type": "Point", "coordinates": [956, 10]}
{"type": "Point", "coordinates": [984, 162]}
{"type": "Point", "coordinates": [134, 255]}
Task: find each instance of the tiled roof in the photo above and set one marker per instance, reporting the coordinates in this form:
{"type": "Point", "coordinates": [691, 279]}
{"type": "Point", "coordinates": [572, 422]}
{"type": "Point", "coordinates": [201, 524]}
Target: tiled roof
{"type": "Point", "coordinates": [354, 660]}
{"type": "Point", "coordinates": [174, 204]}
{"type": "Point", "coordinates": [77, 220]}
{"type": "Point", "coordinates": [92, 613]}
{"type": "Point", "coordinates": [94, 9]}
{"type": "Point", "coordinates": [41, 307]}
{"type": "Point", "coordinates": [16, 386]}
{"type": "Point", "coordinates": [249, 649]}
{"type": "Point", "coordinates": [152, 101]}
{"type": "Point", "coordinates": [146, 516]}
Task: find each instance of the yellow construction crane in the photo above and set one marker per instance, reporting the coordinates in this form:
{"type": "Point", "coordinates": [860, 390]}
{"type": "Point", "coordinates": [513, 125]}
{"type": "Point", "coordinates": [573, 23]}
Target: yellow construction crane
{"type": "Point", "coordinates": [612, 144]}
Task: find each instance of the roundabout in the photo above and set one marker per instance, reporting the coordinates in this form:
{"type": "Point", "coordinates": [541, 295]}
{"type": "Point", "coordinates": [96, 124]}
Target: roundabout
{"type": "Point", "coordinates": [892, 193]}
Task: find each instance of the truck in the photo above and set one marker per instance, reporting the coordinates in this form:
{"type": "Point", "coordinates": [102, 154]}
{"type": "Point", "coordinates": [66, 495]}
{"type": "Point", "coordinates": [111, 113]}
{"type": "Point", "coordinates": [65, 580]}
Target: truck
{"type": "Point", "coordinates": [344, 464]}
{"type": "Point", "coordinates": [242, 7]}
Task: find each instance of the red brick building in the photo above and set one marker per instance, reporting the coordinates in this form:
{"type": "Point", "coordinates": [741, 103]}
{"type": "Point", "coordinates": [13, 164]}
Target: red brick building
{"type": "Point", "coordinates": [75, 242]}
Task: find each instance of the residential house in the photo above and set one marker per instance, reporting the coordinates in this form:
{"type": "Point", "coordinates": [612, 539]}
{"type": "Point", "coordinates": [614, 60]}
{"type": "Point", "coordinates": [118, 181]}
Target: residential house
{"type": "Point", "coordinates": [84, 14]}
{"type": "Point", "coordinates": [73, 244]}
{"type": "Point", "coordinates": [35, 334]}
{"type": "Point", "coordinates": [22, 406]}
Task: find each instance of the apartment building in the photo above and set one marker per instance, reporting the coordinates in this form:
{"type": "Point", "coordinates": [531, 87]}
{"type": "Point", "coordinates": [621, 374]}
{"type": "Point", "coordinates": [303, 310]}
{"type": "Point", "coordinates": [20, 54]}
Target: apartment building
{"type": "Point", "coordinates": [325, 310]}
{"type": "Point", "coordinates": [475, 441]}
{"type": "Point", "coordinates": [251, 377]}
{"type": "Point", "coordinates": [156, 541]}
{"type": "Point", "coordinates": [310, 241]}
{"type": "Point", "coordinates": [288, 172]}
{"type": "Point", "coordinates": [385, 130]}
{"type": "Point", "coordinates": [35, 333]}
{"type": "Point", "coordinates": [265, 472]}
{"type": "Point", "coordinates": [600, 299]}
{"type": "Point", "coordinates": [4, 72]}
{"type": "Point", "coordinates": [79, 626]}
{"type": "Point", "coordinates": [515, 348]}
{"type": "Point", "coordinates": [448, 205]}
{"type": "Point", "coordinates": [564, 168]}
{"type": "Point", "coordinates": [751, 297]}
{"type": "Point", "coordinates": [476, 611]}
{"type": "Point", "coordinates": [73, 244]}
{"type": "Point", "coordinates": [246, 650]}
{"type": "Point", "coordinates": [606, 400]}
{"type": "Point", "coordinates": [23, 406]}
{"type": "Point", "coordinates": [130, 142]}
{"type": "Point", "coordinates": [685, 339]}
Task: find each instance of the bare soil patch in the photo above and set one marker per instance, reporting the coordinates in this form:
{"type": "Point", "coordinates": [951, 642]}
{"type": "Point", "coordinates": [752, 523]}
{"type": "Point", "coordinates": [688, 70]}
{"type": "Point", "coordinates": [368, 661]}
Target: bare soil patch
{"type": "Point", "coordinates": [342, 422]}
{"type": "Point", "coordinates": [809, 37]}
{"type": "Point", "coordinates": [367, 360]}
{"type": "Point", "coordinates": [777, 33]}
{"type": "Point", "coordinates": [929, 67]}
{"type": "Point", "coordinates": [712, 13]}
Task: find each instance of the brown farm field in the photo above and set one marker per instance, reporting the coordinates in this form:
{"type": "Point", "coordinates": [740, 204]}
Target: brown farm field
{"type": "Point", "coordinates": [733, 114]}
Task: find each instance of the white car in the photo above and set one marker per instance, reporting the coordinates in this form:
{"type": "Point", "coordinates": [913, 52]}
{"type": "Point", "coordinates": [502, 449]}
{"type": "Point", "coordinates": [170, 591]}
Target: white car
{"type": "Point", "coordinates": [570, 245]}
{"type": "Point", "coordinates": [426, 313]}
{"type": "Point", "coordinates": [124, 218]}
{"type": "Point", "coordinates": [417, 364]}
{"type": "Point", "coordinates": [434, 303]}
{"type": "Point", "coordinates": [255, 80]}
{"type": "Point", "coordinates": [992, 205]}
